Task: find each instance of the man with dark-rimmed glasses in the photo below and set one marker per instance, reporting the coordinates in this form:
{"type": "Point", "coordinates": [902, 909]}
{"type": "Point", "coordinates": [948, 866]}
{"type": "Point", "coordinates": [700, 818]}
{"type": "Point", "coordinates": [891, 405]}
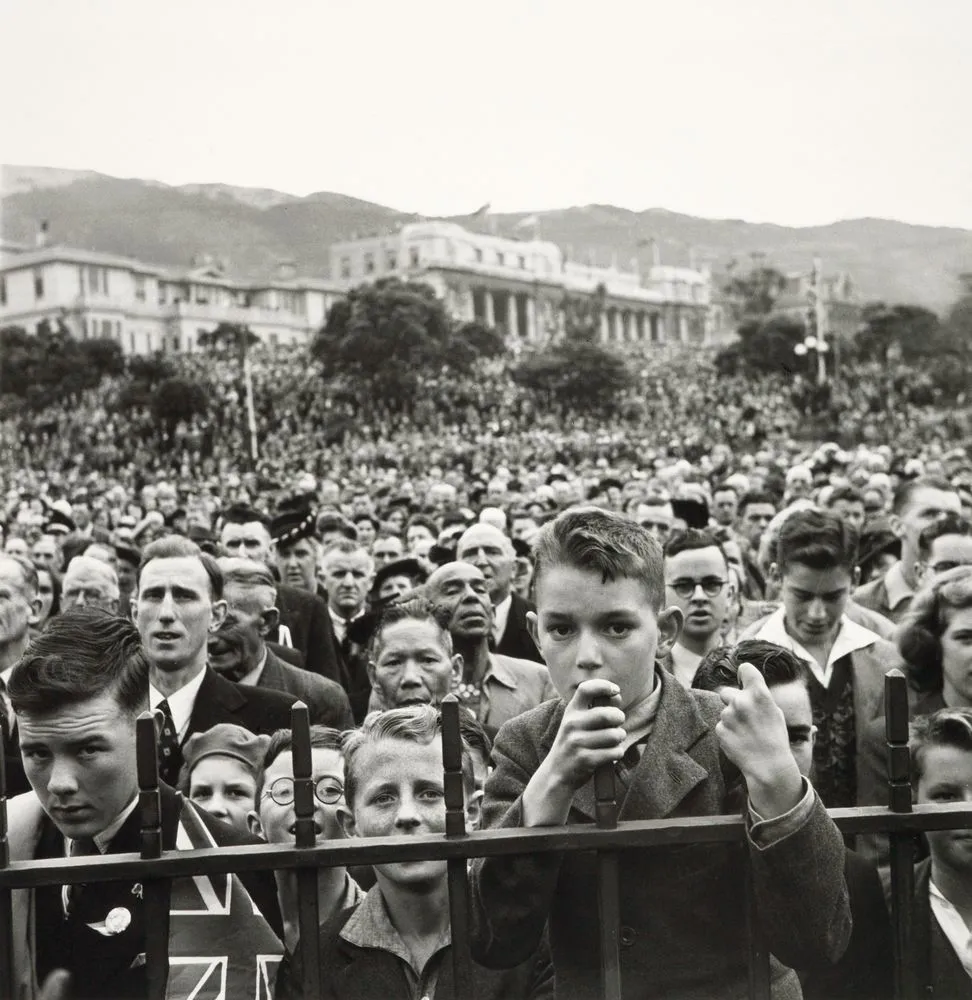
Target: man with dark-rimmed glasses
{"type": "Point", "coordinates": [697, 582]}
{"type": "Point", "coordinates": [275, 818]}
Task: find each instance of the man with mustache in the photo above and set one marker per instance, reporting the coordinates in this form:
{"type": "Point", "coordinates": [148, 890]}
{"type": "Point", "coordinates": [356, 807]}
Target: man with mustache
{"type": "Point", "coordinates": [238, 650]}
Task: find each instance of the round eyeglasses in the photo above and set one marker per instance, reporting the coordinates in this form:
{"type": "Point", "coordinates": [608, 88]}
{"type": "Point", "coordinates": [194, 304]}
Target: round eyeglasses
{"type": "Point", "coordinates": [326, 790]}
{"type": "Point", "coordinates": [685, 587]}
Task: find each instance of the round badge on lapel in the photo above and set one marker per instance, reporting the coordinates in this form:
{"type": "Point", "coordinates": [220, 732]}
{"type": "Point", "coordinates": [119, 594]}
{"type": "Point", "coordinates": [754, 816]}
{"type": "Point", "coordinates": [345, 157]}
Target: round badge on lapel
{"type": "Point", "coordinates": [117, 920]}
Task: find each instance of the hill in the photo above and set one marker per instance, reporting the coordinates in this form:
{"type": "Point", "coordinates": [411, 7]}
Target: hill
{"type": "Point", "coordinates": [254, 229]}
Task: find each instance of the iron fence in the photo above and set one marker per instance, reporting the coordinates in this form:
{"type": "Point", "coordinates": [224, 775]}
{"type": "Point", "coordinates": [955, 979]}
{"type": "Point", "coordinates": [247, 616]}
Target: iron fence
{"type": "Point", "coordinates": [155, 868]}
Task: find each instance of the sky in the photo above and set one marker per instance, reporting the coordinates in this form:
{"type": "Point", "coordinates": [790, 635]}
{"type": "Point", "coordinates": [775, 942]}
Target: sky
{"type": "Point", "coordinates": [764, 110]}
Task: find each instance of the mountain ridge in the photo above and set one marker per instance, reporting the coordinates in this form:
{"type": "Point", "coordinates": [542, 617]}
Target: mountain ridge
{"type": "Point", "coordinates": [255, 228]}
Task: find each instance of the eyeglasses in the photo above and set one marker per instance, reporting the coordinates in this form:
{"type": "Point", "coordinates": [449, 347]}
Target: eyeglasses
{"type": "Point", "coordinates": [326, 790]}
{"type": "Point", "coordinates": [685, 587]}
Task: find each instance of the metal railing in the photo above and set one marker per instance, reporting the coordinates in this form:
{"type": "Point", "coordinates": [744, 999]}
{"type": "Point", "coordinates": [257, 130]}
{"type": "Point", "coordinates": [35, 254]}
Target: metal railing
{"type": "Point", "coordinates": [155, 868]}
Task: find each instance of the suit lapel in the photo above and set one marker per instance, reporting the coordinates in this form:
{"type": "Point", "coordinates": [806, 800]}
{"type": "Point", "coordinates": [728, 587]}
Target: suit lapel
{"type": "Point", "coordinates": [272, 676]}
{"type": "Point", "coordinates": [666, 772]}
{"type": "Point", "coordinates": [218, 700]}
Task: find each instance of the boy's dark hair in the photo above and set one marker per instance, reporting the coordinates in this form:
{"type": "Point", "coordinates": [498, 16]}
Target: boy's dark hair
{"type": "Point", "coordinates": [474, 735]}
{"type": "Point", "coordinates": [725, 488]}
{"type": "Point", "coordinates": [851, 494]}
{"type": "Point", "coordinates": [690, 540]}
{"type": "Point", "coordinates": [422, 520]}
{"type": "Point", "coordinates": [950, 524]}
{"type": "Point", "coordinates": [416, 724]}
{"type": "Point", "coordinates": [755, 496]}
{"type": "Point", "coordinates": [904, 493]}
{"type": "Point", "coordinates": [948, 727]}
{"type": "Point", "coordinates": [818, 539]}
{"type": "Point", "coordinates": [239, 513]}
{"type": "Point", "coordinates": [720, 666]}
{"type": "Point", "coordinates": [282, 741]}
{"type": "Point", "coordinates": [600, 541]}
{"type": "Point", "coordinates": [180, 547]}
{"type": "Point", "coordinates": [410, 607]}
{"type": "Point", "coordinates": [81, 654]}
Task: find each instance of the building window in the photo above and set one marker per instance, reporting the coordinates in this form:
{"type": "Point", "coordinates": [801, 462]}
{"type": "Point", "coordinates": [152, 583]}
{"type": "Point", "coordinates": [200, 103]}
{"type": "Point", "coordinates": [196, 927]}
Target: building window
{"type": "Point", "coordinates": [522, 262]}
{"type": "Point", "coordinates": [391, 260]}
{"type": "Point", "coordinates": [131, 342]}
{"type": "Point", "coordinates": [93, 279]}
{"type": "Point", "coordinates": [479, 255]}
{"type": "Point", "coordinates": [345, 267]}
{"type": "Point", "coordinates": [139, 289]}
{"type": "Point", "coordinates": [38, 284]}
{"type": "Point", "coordinates": [369, 263]}
{"type": "Point", "coordinates": [202, 295]}
{"type": "Point", "coordinates": [3, 291]}
{"type": "Point", "coordinates": [500, 258]}
{"type": "Point", "coordinates": [413, 256]}
{"type": "Point", "coordinates": [106, 328]}
{"type": "Point", "coordinates": [84, 327]}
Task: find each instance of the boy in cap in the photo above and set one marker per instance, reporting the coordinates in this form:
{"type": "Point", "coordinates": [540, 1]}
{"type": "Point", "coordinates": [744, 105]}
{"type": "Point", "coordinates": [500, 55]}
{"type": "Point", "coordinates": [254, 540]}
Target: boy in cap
{"type": "Point", "coordinates": [220, 772]}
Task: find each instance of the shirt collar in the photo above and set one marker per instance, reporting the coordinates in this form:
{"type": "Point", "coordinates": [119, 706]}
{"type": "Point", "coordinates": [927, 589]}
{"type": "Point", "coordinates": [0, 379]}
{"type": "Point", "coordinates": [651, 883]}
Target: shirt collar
{"type": "Point", "coordinates": [253, 677]}
{"type": "Point", "coordinates": [103, 840]}
{"type": "Point", "coordinates": [371, 927]}
{"type": "Point", "coordinates": [897, 586]}
{"type": "Point", "coordinates": [850, 637]}
{"type": "Point", "coordinates": [501, 615]}
{"type": "Point", "coordinates": [640, 718]}
{"type": "Point", "coordinates": [180, 702]}
{"type": "Point", "coordinates": [500, 672]}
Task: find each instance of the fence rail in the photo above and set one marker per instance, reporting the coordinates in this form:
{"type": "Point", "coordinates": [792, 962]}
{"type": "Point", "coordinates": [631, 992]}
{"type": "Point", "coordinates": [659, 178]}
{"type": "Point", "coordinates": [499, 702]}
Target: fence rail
{"type": "Point", "coordinates": [156, 868]}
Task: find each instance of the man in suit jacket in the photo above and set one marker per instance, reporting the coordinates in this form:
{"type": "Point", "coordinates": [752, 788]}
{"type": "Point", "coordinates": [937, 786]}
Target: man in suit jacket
{"type": "Point", "coordinates": [238, 651]}
{"type": "Point", "coordinates": [85, 679]}
{"type": "Point", "coordinates": [490, 551]}
{"type": "Point", "coordinates": [179, 603]}
{"type": "Point", "coordinates": [304, 622]}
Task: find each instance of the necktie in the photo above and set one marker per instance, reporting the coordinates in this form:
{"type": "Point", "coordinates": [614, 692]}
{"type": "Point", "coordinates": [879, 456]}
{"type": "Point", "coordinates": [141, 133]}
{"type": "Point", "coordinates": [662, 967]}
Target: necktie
{"type": "Point", "coordinates": [170, 753]}
{"type": "Point", "coordinates": [83, 847]}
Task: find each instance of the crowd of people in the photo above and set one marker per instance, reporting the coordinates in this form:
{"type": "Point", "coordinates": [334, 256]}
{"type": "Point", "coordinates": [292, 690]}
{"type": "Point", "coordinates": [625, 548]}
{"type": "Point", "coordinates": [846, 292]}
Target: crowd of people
{"type": "Point", "coordinates": [692, 593]}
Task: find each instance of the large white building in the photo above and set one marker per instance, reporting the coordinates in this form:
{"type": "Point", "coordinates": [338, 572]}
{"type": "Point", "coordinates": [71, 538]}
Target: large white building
{"type": "Point", "coordinates": [520, 286]}
{"type": "Point", "coordinates": [147, 308]}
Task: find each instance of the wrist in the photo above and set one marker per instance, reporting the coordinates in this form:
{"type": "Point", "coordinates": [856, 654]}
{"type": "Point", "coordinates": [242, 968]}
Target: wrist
{"type": "Point", "coordinates": [546, 799]}
{"type": "Point", "coordinates": [775, 788]}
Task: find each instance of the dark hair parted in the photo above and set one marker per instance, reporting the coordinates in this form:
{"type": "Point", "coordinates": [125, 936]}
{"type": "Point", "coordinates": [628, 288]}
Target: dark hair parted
{"type": "Point", "coordinates": [411, 607]}
{"type": "Point", "coordinates": [948, 727]}
{"type": "Point", "coordinates": [691, 540]}
{"type": "Point", "coordinates": [919, 634]}
{"type": "Point", "coordinates": [754, 497]}
{"type": "Point", "coordinates": [847, 494]}
{"type": "Point", "coordinates": [282, 741]}
{"type": "Point", "coordinates": [602, 542]}
{"type": "Point", "coordinates": [950, 524]}
{"type": "Point", "coordinates": [720, 666]}
{"type": "Point", "coordinates": [81, 654]}
{"type": "Point", "coordinates": [178, 547]}
{"type": "Point", "coordinates": [905, 493]}
{"type": "Point", "coordinates": [818, 539]}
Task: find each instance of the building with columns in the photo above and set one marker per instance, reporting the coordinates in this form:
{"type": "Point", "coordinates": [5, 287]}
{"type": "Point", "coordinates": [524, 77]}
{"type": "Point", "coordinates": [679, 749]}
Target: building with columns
{"type": "Point", "coordinates": [146, 308]}
{"type": "Point", "coordinates": [521, 287]}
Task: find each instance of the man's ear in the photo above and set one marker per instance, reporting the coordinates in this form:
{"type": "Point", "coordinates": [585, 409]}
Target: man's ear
{"type": "Point", "coordinates": [776, 577]}
{"type": "Point", "coordinates": [254, 824]}
{"type": "Point", "coordinates": [533, 627]}
{"type": "Point", "coordinates": [35, 606]}
{"type": "Point", "coordinates": [373, 677]}
{"type": "Point", "coordinates": [457, 664]}
{"type": "Point", "coordinates": [219, 615]}
{"type": "Point", "coordinates": [855, 578]}
{"type": "Point", "coordinates": [269, 620]}
{"type": "Point", "coordinates": [896, 525]}
{"type": "Point", "coordinates": [669, 627]}
{"type": "Point", "coordinates": [346, 818]}
{"type": "Point", "coordinates": [133, 607]}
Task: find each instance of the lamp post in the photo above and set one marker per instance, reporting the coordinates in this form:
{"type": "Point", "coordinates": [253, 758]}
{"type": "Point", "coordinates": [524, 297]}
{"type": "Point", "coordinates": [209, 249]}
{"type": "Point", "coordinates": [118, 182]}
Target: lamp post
{"type": "Point", "coordinates": [820, 347]}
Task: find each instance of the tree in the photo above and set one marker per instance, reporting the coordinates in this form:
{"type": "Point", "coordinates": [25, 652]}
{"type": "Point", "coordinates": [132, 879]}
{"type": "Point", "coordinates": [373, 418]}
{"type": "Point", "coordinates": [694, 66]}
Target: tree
{"type": "Point", "coordinates": [908, 331]}
{"type": "Point", "coordinates": [582, 315]}
{"type": "Point", "coordinates": [475, 341]}
{"type": "Point", "coordinates": [754, 294]}
{"type": "Point", "coordinates": [765, 345]}
{"type": "Point", "coordinates": [234, 338]}
{"type": "Point", "coordinates": [384, 336]}
{"type": "Point", "coordinates": [174, 401]}
{"type": "Point", "coordinates": [583, 376]}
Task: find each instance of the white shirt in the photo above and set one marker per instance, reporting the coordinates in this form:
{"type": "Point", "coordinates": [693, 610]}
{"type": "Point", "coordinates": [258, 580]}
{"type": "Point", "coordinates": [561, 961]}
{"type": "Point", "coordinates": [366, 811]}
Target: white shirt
{"type": "Point", "coordinates": [685, 663]}
{"type": "Point", "coordinates": [953, 926]}
{"type": "Point", "coordinates": [101, 841]}
{"type": "Point", "coordinates": [253, 677]}
{"type": "Point", "coordinates": [850, 637]}
{"type": "Point", "coordinates": [180, 703]}
{"type": "Point", "coordinates": [341, 624]}
{"type": "Point", "coordinates": [501, 615]}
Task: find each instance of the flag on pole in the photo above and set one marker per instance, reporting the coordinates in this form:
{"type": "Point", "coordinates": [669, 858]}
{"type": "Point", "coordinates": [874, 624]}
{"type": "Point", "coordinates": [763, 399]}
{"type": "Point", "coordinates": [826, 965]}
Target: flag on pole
{"type": "Point", "coordinates": [482, 211]}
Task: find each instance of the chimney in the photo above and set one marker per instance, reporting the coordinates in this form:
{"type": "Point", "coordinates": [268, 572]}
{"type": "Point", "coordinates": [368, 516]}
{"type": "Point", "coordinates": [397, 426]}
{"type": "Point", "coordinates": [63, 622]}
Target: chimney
{"type": "Point", "coordinates": [43, 233]}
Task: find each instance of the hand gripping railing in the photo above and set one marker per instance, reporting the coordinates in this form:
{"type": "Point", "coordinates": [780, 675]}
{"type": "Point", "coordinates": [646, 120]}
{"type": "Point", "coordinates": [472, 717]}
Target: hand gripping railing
{"type": "Point", "coordinates": [156, 868]}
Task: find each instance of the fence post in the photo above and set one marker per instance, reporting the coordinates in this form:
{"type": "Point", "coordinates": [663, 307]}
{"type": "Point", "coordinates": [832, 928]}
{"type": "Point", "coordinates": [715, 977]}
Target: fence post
{"type": "Point", "coordinates": [305, 836]}
{"type": "Point", "coordinates": [456, 827]}
{"type": "Point", "coordinates": [155, 891]}
{"type": "Point", "coordinates": [608, 895]}
{"type": "Point", "coordinates": [901, 844]}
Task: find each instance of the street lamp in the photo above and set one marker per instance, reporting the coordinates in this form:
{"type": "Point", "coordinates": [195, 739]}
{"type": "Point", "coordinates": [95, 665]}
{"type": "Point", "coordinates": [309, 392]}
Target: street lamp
{"type": "Point", "coordinates": [821, 347]}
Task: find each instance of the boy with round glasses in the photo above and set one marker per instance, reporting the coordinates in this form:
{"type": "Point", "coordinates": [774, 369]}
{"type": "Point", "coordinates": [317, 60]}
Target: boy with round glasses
{"type": "Point", "coordinates": [696, 582]}
{"type": "Point", "coordinates": [275, 819]}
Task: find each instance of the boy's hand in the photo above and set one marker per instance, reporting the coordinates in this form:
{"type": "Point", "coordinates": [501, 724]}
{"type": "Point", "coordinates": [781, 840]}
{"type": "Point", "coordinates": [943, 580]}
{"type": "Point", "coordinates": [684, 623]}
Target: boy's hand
{"type": "Point", "coordinates": [587, 738]}
{"type": "Point", "coordinates": [752, 734]}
